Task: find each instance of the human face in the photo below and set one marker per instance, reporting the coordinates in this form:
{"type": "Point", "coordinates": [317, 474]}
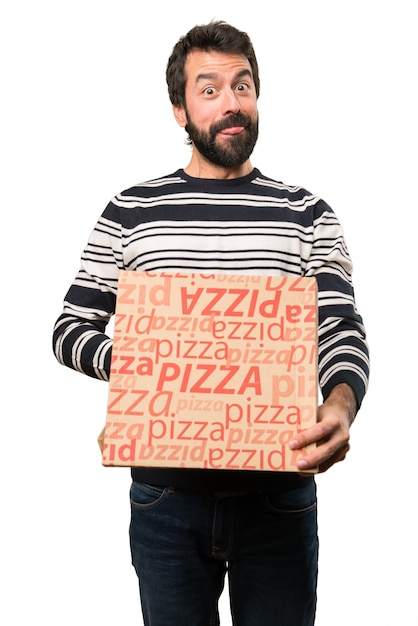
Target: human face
{"type": "Point", "coordinates": [220, 114]}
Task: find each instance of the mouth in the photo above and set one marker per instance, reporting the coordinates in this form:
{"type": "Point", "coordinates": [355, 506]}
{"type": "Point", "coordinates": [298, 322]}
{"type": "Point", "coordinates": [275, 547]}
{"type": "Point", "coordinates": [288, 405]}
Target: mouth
{"type": "Point", "coordinates": [232, 130]}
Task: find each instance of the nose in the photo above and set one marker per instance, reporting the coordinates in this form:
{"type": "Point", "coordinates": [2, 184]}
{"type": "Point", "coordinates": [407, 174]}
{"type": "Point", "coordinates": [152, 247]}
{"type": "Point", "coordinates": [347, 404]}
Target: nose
{"type": "Point", "coordinates": [230, 102]}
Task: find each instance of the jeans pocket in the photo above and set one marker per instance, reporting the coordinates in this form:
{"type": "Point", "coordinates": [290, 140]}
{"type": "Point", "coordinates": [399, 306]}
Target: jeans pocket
{"type": "Point", "coordinates": [144, 496]}
{"type": "Point", "coordinates": [295, 502]}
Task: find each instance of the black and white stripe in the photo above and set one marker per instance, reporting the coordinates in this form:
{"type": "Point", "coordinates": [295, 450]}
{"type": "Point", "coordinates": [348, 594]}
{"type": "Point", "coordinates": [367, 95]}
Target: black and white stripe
{"type": "Point", "coordinates": [251, 225]}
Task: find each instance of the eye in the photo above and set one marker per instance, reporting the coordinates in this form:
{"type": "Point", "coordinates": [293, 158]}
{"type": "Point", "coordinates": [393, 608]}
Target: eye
{"type": "Point", "coordinates": [242, 87]}
{"type": "Point", "coordinates": [209, 91]}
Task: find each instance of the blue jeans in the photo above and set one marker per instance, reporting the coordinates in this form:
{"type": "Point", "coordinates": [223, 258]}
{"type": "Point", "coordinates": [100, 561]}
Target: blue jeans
{"type": "Point", "coordinates": [184, 542]}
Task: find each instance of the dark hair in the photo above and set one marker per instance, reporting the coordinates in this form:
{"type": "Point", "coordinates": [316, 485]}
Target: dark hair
{"type": "Point", "coordinates": [218, 36]}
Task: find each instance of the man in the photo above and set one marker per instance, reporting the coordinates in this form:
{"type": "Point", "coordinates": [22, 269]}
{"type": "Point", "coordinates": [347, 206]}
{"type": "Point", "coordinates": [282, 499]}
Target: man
{"type": "Point", "coordinates": [220, 214]}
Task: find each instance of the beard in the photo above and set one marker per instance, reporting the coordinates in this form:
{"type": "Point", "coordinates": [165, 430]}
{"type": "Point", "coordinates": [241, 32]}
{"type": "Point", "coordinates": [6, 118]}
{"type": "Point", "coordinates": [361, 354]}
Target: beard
{"type": "Point", "coordinates": [236, 150]}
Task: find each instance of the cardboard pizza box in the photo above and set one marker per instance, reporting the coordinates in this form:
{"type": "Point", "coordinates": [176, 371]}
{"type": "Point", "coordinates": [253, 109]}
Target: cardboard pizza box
{"type": "Point", "coordinates": [213, 371]}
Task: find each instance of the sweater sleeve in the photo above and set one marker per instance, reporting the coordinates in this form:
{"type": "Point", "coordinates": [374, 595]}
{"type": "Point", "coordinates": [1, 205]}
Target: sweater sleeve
{"type": "Point", "coordinates": [343, 353]}
{"type": "Point", "coordinates": [79, 339]}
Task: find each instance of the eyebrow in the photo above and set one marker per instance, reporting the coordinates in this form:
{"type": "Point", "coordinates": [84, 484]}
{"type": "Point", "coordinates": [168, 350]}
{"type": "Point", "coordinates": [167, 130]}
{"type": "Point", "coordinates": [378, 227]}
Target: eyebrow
{"type": "Point", "coordinates": [215, 76]}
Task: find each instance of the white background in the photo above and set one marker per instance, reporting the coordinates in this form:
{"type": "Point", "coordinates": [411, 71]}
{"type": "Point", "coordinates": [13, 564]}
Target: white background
{"type": "Point", "coordinates": [84, 114]}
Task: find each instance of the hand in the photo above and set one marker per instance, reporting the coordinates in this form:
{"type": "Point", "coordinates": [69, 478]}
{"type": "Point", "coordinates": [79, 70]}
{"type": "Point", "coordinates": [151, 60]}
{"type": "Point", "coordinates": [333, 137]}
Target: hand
{"type": "Point", "coordinates": [331, 433]}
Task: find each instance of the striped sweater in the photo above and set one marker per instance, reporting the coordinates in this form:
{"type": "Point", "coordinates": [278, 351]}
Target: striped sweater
{"type": "Point", "coordinates": [251, 225]}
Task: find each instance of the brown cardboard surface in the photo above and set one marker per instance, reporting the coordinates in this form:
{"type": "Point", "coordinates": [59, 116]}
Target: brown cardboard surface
{"type": "Point", "coordinates": [211, 371]}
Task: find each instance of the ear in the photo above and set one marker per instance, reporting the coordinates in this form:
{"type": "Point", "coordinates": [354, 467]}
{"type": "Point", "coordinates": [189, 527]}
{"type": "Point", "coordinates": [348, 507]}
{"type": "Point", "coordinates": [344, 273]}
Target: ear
{"type": "Point", "coordinates": [180, 114]}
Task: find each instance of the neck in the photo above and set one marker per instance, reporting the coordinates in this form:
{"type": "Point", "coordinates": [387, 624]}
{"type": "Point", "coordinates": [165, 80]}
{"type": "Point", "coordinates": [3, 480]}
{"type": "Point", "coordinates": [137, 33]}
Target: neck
{"type": "Point", "coordinates": [201, 168]}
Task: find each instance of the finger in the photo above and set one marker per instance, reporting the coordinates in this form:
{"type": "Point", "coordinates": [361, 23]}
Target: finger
{"type": "Point", "coordinates": [318, 433]}
{"type": "Point", "coordinates": [323, 457]}
{"type": "Point", "coordinates": [337, 457]}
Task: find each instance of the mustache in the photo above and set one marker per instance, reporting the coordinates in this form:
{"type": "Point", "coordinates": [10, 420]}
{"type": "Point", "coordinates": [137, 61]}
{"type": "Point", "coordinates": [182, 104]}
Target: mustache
{"type": "Point", "coordinates": [236, 119]}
